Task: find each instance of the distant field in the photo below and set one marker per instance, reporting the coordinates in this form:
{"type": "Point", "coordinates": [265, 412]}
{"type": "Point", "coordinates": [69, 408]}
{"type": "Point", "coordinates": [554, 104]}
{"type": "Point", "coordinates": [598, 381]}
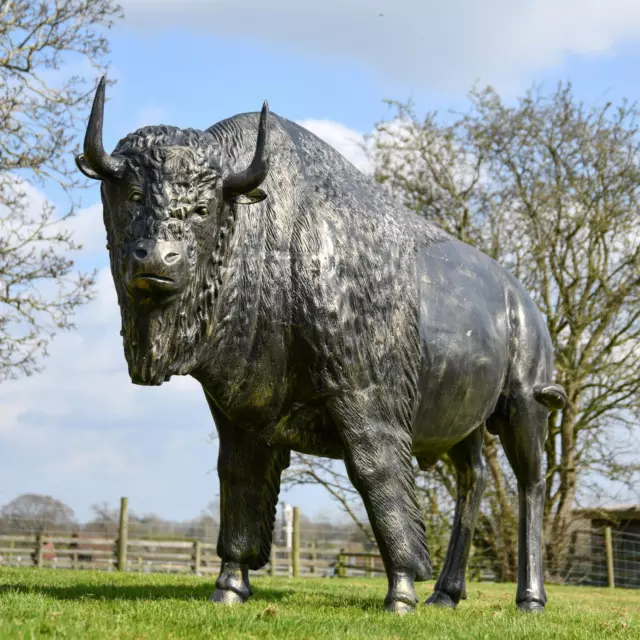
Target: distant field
{"type": "Point", "coordinates": [77, 604]}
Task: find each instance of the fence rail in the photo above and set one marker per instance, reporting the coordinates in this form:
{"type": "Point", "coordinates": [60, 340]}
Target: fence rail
{"type": "Point", "coordinates": [599, 557]}
{"type": "Point", "coordinates": [71, 552]}
{"type": "Point", "coordinates": [596, 558]}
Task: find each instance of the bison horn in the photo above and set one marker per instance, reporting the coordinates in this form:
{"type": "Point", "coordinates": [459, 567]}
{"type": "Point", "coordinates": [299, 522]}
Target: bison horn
{"type": "Point", "coordinates": [236, 184]}
{"type": "Point", "coordinates": [95, 158]}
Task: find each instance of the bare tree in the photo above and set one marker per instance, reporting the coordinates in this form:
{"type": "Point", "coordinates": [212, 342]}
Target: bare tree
{"type": "Point", "coordinates": [41, 100]}
{"type": "Point", "coordinates": [205, 526]}
{"type": "Point", "coordinates": [36, 513]}
{"type": "Point", "coordinates": [307, 470]}
{"type": "Point", "coordinates": [105, 519]}
{"type": "Point", "coordinates": [332, 476]}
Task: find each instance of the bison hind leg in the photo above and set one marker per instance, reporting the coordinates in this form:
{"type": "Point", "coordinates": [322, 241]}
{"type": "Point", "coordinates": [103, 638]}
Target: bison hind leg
{"type": "Point", "coordinates": [522, 428]}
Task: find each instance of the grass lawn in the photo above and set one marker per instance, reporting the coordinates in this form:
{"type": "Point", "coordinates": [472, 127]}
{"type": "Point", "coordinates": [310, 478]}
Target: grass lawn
{"type": "Point", "coordinates": [78, 604]}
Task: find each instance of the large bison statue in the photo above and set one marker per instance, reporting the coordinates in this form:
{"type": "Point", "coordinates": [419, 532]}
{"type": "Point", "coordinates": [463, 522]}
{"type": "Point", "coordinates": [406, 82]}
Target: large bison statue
{"type": "Point", "coordinates": [321, 316]}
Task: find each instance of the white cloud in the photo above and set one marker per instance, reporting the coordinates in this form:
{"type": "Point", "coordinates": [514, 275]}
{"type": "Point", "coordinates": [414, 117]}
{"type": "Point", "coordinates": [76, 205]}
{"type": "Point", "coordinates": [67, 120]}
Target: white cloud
{"type": "Point", "coordinates": [348, 142]}
{"type": "Point", "coordinates": [32, 199]}
{"type": "Point", "coordinates": [88, 229]}
{"type": "Point", "coordinates": [443, 45]}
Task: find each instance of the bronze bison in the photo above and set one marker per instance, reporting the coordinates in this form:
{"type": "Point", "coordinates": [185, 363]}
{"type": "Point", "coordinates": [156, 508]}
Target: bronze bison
{"type": "Point", "coordinates": [321, 316]}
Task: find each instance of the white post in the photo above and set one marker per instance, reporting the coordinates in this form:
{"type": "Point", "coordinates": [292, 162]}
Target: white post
{"type": "Point", "coordinates": [288, 529]}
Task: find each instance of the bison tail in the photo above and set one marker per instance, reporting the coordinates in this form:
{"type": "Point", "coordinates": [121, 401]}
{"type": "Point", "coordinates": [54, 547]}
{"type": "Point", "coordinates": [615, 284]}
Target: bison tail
{"type": "Point", "coordinates": [552, 396]}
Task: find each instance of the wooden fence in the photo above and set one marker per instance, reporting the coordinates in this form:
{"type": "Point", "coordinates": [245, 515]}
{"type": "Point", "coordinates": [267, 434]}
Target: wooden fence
{"type": "Point", "coordinates": [121, 553]}
{"type": "Point", "coordinates": [151, 553]}
{"type": "Point", "coordinates": [598, 558]}
{"type": "Point", "coordinates": [181, 556]}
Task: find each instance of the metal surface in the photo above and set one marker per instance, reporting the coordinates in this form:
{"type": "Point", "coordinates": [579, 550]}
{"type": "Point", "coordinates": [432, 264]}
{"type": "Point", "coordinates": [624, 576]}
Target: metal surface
{"type": "Point", "coordinates": [321, 316]}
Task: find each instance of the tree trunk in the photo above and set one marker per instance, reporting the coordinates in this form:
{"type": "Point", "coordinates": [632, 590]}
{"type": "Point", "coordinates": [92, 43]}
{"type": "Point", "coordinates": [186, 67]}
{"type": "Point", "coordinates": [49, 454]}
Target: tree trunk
{"type": "Point", "coordinates": [566, 493]}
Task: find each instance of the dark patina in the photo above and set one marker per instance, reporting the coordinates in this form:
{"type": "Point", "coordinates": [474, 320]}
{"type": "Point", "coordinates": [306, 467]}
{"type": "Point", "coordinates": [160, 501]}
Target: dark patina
{"type": "Point", "coordinates": [321, 316]}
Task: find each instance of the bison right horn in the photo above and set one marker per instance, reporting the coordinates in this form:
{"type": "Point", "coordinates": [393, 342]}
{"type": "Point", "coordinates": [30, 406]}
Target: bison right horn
{"type": "Point", "coordinates": [243, 182]}
{"type": "Point", "coordinates": [95, 162]}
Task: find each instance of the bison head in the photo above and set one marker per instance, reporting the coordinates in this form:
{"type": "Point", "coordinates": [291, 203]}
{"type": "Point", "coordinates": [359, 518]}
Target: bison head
{"type": "Point", "coordinates": [169, 206]}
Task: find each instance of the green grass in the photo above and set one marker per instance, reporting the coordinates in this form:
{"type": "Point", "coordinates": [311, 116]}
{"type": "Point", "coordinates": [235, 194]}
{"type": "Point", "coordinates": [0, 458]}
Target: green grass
{"type": "Point", "coordinates": [77, 604]}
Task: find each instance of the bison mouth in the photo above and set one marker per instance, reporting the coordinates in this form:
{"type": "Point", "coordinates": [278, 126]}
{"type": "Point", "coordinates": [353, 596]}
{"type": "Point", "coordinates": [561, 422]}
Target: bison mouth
{"type": "Point", "coordinates": [149, 285]}
{"type": "Point", "coordinates": [150, 276]}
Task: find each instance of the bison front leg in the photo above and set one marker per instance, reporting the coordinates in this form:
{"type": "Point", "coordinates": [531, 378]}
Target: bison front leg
{"type": "Point", "coordinates": [249, 473]}
{"type": "Point", "coordinates": [379, 463]}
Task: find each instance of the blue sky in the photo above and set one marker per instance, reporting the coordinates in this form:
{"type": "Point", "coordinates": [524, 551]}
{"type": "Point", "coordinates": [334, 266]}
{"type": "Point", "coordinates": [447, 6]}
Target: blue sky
{"type": "Point", "coordinates": [81, 431]}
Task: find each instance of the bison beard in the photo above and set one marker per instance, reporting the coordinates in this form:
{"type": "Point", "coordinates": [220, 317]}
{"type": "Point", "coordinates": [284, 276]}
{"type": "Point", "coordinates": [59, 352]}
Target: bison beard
{"type": "Point", "coordinates": [165, 340]}
{"type": "Point", "coordinates": [160, 342]}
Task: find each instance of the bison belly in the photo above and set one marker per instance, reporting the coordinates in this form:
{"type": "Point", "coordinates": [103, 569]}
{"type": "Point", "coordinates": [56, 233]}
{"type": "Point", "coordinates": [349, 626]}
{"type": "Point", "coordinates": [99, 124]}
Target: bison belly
{"type": "Point", "coordinates": [464, 341]}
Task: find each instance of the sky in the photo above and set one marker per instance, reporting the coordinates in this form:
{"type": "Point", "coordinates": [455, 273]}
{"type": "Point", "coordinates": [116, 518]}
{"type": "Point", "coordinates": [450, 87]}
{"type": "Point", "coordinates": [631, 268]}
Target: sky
{"type": "Point", "coordinates": [80, 431]}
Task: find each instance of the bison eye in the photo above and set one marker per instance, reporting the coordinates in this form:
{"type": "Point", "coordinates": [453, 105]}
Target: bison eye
{"type": "Point", "coordinates": [136, 195]}
{"type": "Point", "coordinates": [201, 210]}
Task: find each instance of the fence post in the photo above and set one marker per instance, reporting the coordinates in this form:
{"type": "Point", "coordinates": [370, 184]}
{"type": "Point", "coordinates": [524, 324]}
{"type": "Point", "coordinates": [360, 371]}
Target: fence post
{"type": "Point", "coordinates": [314, 557]}
{"type": "Point", "coordinates": [196, 556]}
{"type": "Point", "coordinates": [342, 561]}
{"type": "Point", "coordinates": [123, 534]}
{"type": "Point", "coordinates": [39, 550]}
{"type": "Point", "coordinates": [608, 547]}
{"type": "Point", "coordinates": [273, 560]}
{"type": "Point", "coordinates": [371, 563]}
{"type": "Point", "coordinates": [296, 542]}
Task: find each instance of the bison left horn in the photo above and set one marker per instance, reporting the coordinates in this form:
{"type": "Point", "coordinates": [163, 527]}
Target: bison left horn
{"type": "Point", "coordinates": [95, 162]}
{"type": "Point", "coordinates": [236, 184]}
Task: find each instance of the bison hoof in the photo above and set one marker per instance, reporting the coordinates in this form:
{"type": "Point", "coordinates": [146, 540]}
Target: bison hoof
{"type": "Point", "coordinates": [398, 607]}
{"type": "Point", "coordinates": [227, 596]}
{"type": "Point", "coordinates": [441, 599]}
{"type": "Point", "coordinates": [531, 606]}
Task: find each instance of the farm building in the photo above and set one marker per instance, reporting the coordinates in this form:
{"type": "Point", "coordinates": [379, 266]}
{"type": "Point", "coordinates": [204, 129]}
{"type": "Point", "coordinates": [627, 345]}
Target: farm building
{"type": "Point", "coordinates": [587, 563]}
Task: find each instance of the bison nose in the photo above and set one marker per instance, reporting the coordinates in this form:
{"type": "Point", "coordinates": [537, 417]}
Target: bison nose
{"type": "Point", "coordinates": [156, 266]}
{"type": "Point", "coordinates": [141, 252]}
{"type": "Point", "coordinates": [158, 253]}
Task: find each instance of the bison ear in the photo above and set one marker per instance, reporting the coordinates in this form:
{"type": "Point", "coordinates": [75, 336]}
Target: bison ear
{"type": "Point", "coordinates": [254, 196]}
{"type": "Point", "coordinates": [81, 163]}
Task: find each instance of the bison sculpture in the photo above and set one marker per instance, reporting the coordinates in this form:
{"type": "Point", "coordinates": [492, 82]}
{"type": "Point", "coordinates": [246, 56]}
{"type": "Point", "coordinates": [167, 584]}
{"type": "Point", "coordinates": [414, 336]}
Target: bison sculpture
{"type": "Point", "coordinates": [321, 316]}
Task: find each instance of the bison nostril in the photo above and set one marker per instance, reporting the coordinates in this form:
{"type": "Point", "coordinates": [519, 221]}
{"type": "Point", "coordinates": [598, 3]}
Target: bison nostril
{"type": "Point", "coordinates": [171, 257]}
{"type": "Point", "coordinates": [140, 253]}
